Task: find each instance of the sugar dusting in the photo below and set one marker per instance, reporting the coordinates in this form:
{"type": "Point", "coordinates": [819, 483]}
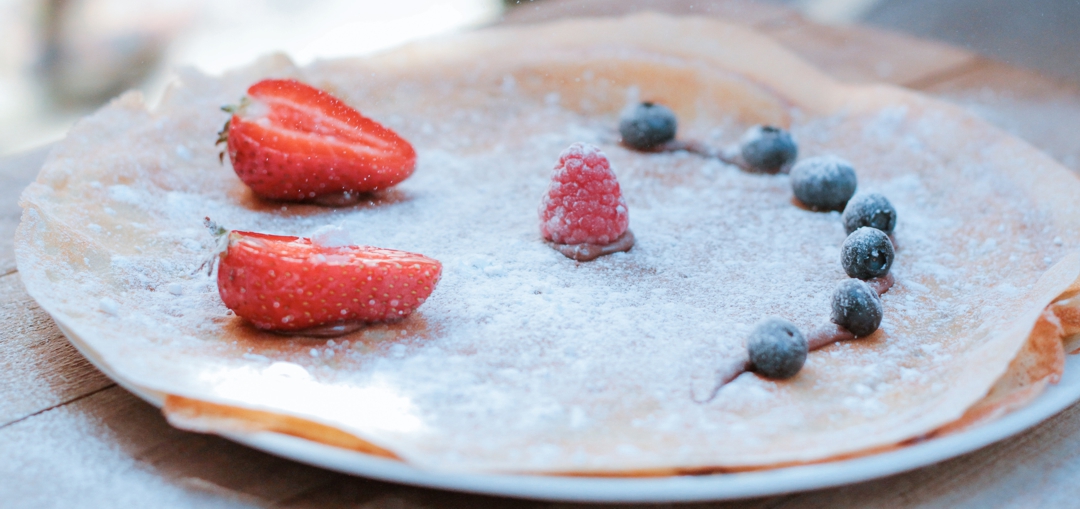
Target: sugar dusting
{"type": "Point", "coordinates": [88, 465]}
{"type": "Point", "coordinates": [523, 359]}
{"type": "Point", "coordinates": [333, 235]}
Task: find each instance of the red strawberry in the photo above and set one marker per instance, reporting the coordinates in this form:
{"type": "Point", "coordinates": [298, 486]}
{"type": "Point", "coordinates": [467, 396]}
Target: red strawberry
{"type": "Point", "coordinates": [583, 204]}
{"type": "Point", "coordinates": [291, 141]}
{"type": "Point", "coordinates": [290, 284]}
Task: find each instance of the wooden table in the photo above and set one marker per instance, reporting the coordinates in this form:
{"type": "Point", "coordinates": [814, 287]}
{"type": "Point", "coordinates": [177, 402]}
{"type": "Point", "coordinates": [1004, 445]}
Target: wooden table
{"type": "Point", "coordinates": [70, 437]}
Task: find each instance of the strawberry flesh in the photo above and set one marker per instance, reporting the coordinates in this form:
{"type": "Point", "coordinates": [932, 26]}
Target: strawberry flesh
{"type": "Point", "coordinates": [289, 284]}
{"type": "Point", "coordinates": [291, 141]}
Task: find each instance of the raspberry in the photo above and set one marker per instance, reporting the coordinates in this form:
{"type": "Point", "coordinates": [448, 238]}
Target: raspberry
{"type": "Point", "coordinates": [583, 204]}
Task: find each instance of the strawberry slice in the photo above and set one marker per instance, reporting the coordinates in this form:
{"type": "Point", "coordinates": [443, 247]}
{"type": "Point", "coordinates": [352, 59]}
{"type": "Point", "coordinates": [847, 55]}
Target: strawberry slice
{"type": "Point", "coordinates": [289, 284]}
{"type": "Point", "coordinates": [291, 141]}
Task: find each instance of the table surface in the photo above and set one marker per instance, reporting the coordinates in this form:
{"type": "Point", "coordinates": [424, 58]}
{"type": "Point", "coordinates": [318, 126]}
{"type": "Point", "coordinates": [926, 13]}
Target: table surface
{"type": "Point", "coordinates": [70, 437]}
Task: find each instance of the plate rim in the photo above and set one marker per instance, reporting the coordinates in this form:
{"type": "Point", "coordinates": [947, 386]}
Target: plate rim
{"type": "Point", "coordinates": [683, 488]}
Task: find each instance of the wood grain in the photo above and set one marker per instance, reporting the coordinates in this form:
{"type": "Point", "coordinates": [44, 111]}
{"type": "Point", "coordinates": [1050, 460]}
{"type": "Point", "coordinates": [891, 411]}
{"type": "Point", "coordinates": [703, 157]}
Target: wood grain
{"type": "Point", "coordinates": [862, 55]}
{"type": "Point", "coordinates": [757, 14]}
{"type": "Point", "coordinates": [39, 369]}
{"type": "Point", "coordinates": [18, 172]}
{"type": "Point", "coordinates": [1035, 469]}
{"type": "Point", "coordinates": [852, 53]}
{"type": "Point", "coordinates": [70, 438]}
{"type": "Point", "coordinates": [1041, 110]}
{"type": "Point", "coordinates": [111, 449]}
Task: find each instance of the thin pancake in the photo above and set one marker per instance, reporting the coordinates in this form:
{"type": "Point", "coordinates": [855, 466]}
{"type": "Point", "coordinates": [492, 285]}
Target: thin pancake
{"type": "Point", "coordinates": [522, 360]}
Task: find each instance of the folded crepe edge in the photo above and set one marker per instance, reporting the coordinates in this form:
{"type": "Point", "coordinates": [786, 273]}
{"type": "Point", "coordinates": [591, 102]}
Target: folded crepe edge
{"type": "Point", "coordinates": [1039, 362]}
{"type": "Point", "coordinates": [205, 417]}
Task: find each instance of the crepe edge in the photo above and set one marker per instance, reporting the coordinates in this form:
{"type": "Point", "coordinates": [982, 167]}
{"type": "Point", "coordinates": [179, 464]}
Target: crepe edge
{"type": "Point", "coordinates": [205, 417]}
{"type": "Point", "coordinates": [1040, 362]}
{"type": "Point", "coordinates": [197, 415]}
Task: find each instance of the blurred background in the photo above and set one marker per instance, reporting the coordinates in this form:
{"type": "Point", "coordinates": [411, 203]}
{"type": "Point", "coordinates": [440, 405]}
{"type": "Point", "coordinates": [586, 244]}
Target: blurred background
{"type": "Point", "coordinates": [60, 59]}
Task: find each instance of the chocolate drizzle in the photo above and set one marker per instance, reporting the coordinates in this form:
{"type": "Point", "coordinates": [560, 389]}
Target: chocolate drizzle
{"type": "Point", "coordinates": [821, 336]}
{"type": "Point", "coordinates": [881, 284]}
{"type": "Point", "coordinates": [727, 156]}
{"type": "Point", "coordinates": [827, 334]}
{"type": "Point", "coordinates": [587, 252]}
{"type": "Point", "coordinates": [342, 199]}
{"type": "Point", "coordinates": [330, 330]}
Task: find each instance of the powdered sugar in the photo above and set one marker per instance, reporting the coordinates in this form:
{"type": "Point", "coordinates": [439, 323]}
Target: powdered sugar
{"type": "Point", "coordinates": [523, 359]}
{"type": "Point", "coordinates": [77, 449]}
{"type": "Point", "coordinates": [583, 203]}
{"type": "Point", "coordinates": [331, 236]}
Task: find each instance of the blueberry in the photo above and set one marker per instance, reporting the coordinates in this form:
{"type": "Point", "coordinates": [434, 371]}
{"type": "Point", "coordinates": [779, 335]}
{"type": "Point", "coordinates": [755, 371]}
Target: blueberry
{"type": "Point", "coordinates": [873, 210]}
{"type": "Point", "coordinates": [768, 149]}
{"type": "Point", "coordinates": [867, 253]}
{"type": "Point", "coordinates": [823, 183]}
{"type": "Point", "coordinates": [647, 125]}
{"type": "Point", "coordinates": [856, 307]}
{"type": "Point", "coordinates": [777, 348]}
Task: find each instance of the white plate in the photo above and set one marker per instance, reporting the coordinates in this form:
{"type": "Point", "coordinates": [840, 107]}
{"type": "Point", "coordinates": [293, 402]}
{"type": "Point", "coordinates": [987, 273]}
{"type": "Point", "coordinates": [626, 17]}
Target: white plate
{"type": "Point", "coordinates": [661, 489]}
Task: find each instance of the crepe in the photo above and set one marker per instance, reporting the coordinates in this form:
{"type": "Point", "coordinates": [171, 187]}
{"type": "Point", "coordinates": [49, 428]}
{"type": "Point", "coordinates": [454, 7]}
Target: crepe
{"type": "Point", "coordinates": [523, 361]}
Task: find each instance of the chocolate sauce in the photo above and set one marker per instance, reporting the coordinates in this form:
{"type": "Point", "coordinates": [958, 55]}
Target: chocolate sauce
{"type": "Point", "coordinates": [330, 330]}
{"type": "Point", "coordinates": [725, 375]}
{"type": "Point", "coordinates": [821, 336]}
{"type": "Point", "coordinates": [826, 335]}
{"type": "Point", "coordinates": [729, 156]}
{"type": "Point", "coordinates": [587, 252]}
{"type": "Point", "coordinates": [342, 199]}
{"type": "Point", "coordinates": [691, 146]}
{"type": "Point", "coordinates": [881, 284]}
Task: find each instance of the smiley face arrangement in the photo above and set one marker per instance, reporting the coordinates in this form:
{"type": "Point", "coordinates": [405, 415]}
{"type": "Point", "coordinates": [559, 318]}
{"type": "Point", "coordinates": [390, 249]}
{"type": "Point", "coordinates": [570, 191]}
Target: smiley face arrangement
{"type": "Point", "coordinates": [776, 348]}
{"type": "Point", "coordinates": [290, 140]}
{"type": "Point", "coordinates": [522, 360]}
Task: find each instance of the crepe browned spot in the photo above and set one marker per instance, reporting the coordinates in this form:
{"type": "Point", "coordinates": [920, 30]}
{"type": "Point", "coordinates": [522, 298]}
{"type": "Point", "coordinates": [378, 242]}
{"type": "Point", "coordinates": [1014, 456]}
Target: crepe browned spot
{"type": "Point", "coordinates": [524, 361]}
{"type": "Point", "coordinates": [194, 415]}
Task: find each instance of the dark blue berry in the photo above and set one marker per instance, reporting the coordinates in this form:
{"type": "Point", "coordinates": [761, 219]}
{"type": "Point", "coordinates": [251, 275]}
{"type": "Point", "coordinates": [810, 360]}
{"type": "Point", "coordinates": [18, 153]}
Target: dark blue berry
{"type": "Point", "coordinates": [646, 126]}
{"type": "Point", "coordinates": [867, 253]}
{"type": "Point", "coordinates": [768, 149]}
{"type": "Point", "coordinates": [856, 307]}
{"type": "Point", "coordinates": [873, 210]}
{"type": "Point", "coordinates": [777, 348]}
{"type": "Point", "coordinates": [823, 183]}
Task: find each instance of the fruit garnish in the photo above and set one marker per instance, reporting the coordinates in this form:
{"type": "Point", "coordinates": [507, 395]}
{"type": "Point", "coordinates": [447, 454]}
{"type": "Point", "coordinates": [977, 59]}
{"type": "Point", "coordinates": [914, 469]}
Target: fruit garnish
{"type": "Point", "coordinates": [856, 307]}
{"type": "Point", "coordinates": [647, 126]}
{"type": "Point", "coordinates": [823, 183]}
{"type": "Point", "coordinates": [291, 284]}
{"type": "Point", "coordinates": [651, 127]}
{"type": "Point", "coordinates": [777, 348]}
{"type": "Point", "coordinates": [768, 149]}
{"type": "Point", "coordinates": [873, 210]}
{"type": "Point", "coordinates": [867, 253]}
{"type": "Point", "coordinates": [583, 204]}
{"type": "Point", "coordinates": [291, 141]}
